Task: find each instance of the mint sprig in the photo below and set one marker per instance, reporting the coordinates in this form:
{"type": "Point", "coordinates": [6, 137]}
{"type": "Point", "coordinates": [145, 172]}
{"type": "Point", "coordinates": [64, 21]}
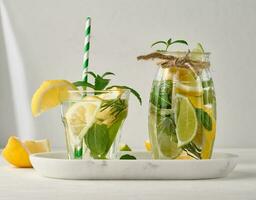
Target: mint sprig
{"type": "Point", "coordinates": [102, 83]}
{"type": "Point", "coordinates": [168, 43]}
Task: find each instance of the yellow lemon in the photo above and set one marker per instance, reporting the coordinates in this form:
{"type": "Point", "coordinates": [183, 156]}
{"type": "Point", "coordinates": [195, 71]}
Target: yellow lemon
{"type": "Point", "coordinates": [81, 115]}
{"type": "Point", "coordinates": [186, 81]}
{"type": "Point", "coordinates": [50, 94]}
{"type": "Point", "coordinates": [17, 153]}
{"type": "Point", "coordinates": [184, 156]}
{"type": "Point", "coordinates": [208, 136]}
{"type": "Point", "coordinates": [148, 145]}
{"type": "Point", "coordinates": [37, 146]}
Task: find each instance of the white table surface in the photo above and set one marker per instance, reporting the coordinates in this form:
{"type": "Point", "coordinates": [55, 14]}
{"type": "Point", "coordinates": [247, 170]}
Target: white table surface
{"type": "Point", "coordinates": [28, 185]}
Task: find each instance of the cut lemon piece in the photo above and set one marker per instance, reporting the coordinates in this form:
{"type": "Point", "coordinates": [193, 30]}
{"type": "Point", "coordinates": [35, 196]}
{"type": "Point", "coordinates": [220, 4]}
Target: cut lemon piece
{"type": "Point", "coordinates": [81, 115]}
{"type": "Point", "coordinates": [37, 146]}
{"type": "Point", "coordinates": [184, 156]}
{"type": "Point", "coordinates": [186, 81]}
{"type": "Point", "coordinates": [208, 136]}
{"type": "Point", "coordinates": [197, 101]}
{"type": "Point", "coordinates": [50, 94]}
{"type": "Point", "coordinates": [148, 145]}
{"type": "Point", "coordinates": [15, 153]}
{"type": "Point", "coordinates": [186, 121]}
{"type": "Point", "coordinates": [112, 93]}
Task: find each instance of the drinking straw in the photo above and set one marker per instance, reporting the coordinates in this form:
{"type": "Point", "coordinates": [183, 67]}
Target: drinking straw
{"type": "Point", "coordinates": [87, 33]}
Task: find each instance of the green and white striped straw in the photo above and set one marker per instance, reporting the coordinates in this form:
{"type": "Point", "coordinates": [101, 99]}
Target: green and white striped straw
{"type": "Point", "coordinates": [87, 33]}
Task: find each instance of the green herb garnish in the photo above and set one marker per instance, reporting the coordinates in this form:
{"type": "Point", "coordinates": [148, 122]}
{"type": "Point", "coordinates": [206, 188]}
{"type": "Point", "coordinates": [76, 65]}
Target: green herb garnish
{"type": "Point", "coordinates": [101, 83]}
{"type": "Point", "coordinates": [168, 43]}
{"type": "Point", "coordinates": [204, 118]}
{"type": "Point", "coordinates": [127, 157]}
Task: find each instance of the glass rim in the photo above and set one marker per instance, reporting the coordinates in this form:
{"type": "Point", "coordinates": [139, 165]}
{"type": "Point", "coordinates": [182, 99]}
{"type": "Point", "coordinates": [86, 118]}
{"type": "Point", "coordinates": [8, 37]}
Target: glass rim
{"type": "Point", "coordinates": [93, 91]}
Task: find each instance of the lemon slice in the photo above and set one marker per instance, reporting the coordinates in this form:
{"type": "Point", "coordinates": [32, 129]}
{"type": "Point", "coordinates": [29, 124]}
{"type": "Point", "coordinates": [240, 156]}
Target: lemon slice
{"type": "Point", "coordinates": [112, 93]}
{"type": "Point", "coordinates": [186, 81]}
{"type": "Point", "coordinates": [17, 153]}
{"type": "Point", "coordinates": [81, 115]}
{"type": "Point", "coordinates": [148, 145]}
{"type": "Point", "coordinates": [186, 121]}
{"type": "Point", "coordinates": [50, 94]}
{"type": "Point", "coordinates": [36, 146]}
{"type": "Point", "coordinates": [208, 136]}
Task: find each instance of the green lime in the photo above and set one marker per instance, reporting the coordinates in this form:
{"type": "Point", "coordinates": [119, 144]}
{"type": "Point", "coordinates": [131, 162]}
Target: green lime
{"type": "Point", "coordinates": [186, 121]}
{"type": "Point", "coordinates": [125, 147]}
{"type": "Point", "coordinates": [197, 52]}
{"type": "Point", "coordinates": [168, 147]}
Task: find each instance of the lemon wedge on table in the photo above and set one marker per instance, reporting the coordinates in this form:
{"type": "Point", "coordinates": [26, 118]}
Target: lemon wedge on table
{"type": "Point", "coordinates": [17, 152]}
{"type": "Point", "coordinates": [50, 94]}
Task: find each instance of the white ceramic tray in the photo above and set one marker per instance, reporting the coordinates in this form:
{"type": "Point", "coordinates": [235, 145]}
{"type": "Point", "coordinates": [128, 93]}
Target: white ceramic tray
{"type": "Point", "coordinates": [56, 165]}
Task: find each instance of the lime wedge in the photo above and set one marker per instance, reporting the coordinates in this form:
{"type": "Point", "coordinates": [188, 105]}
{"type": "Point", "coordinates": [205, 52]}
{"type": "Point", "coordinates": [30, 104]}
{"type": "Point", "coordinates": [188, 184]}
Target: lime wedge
{"type": "Point", "coordinates": [81, 115]}
{"type": "Point", "coordinates": [124, 147]}
{"type": "Point", "coordinates": [186, 121]}
{"type": "Point", "coordinates": [168, 147]}
{"type": "Point", "coordinates": [197, 52]}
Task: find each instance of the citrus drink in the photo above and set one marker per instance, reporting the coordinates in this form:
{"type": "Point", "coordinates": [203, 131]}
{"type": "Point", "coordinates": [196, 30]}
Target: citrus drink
{"type": "Point", "coordinates": [182, 111]}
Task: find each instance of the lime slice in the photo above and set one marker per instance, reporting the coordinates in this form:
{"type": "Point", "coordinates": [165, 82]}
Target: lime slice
{"type": "Point", "coordinates": [186, 121]}
{"type": "Point", "coordinates": [197, 52]}
{"type": "Point", "coordinates": [81, 115]}
{"type": "Point", "coordinates": [168, 147]}
{"type": "Point", "coordinates": [125, 147]}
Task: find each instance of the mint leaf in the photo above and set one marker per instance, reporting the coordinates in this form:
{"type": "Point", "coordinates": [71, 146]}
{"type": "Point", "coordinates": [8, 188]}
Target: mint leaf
{"type": "Point", "coordinates": [127, 157]}
{"type": "Point", "coordinates": [100, 83]}
{"type": "Point", "coordinates": [169, 42]}
{"type": "Point", "coordinates": [160, 94]}
{"type": "Point", "coordinates": [114, 128]}
{"type": "Point", "coordinates": [91, 73]}
{"type": "Point", "coordinates": [107, 73]}
{"type": "Point", "coordinates": [204, 118]}
{"type": "Point", "coordinates": [179, 41]}
{"type": "Point", "coordinates": [134, 92]}
{"type": "Point", "coordinates": [159, 42]}
{"type": "Point", "coordinates": [97, 140]}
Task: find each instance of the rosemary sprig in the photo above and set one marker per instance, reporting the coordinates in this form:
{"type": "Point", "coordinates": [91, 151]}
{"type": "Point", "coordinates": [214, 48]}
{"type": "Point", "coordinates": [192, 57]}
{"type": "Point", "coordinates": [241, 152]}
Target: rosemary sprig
{"type": "Point", "coordinates": [192, 150]}
{"type": "Point", "coordinates": [116, 106]}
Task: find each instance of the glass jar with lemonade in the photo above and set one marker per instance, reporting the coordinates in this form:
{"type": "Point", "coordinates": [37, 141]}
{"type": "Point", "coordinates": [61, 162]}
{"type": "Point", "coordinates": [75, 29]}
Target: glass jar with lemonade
{"type": "Point", "coordinates": [182, 106]}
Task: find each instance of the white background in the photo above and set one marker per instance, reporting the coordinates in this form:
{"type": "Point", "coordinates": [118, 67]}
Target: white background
{"type": "Point", "coordinates": [42, 40]}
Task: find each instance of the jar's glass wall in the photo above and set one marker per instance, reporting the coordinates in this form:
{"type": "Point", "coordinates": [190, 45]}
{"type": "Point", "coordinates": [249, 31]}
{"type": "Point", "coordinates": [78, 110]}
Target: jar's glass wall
{"type": "Point", "coordinates": [182, 111]}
